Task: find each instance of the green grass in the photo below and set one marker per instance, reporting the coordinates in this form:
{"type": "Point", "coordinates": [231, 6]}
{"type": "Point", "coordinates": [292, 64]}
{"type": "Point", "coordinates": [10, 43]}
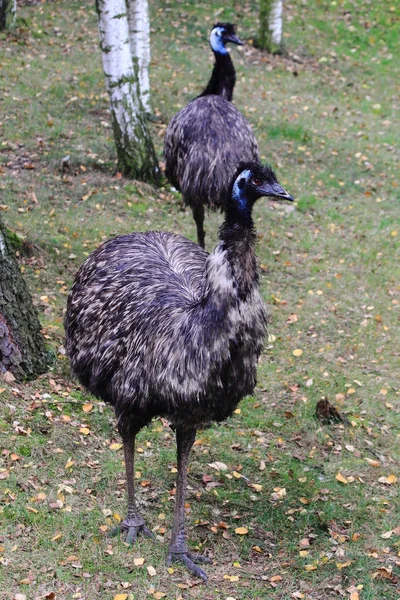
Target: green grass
{"type": "Point", "coordinates": [325, 118]}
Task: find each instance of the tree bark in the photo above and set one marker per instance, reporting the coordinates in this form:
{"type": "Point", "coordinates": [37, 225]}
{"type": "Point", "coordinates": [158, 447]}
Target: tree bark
{"type": "Point", "coordinates": [135, 150]}
{"type": "Point", "coordinates": [139, 37]}
{"type": "Point", "coordinates": [22, 349]}
{"type": "Point", "coordinates": [8, 13]}
{"type": "Point", "coordinates": [270, 25]}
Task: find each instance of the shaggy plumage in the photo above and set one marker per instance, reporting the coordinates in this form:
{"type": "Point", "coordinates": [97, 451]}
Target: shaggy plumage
{"type": "Point", "coordinates": [157, 326]}
{"type": "Point", "coordinates": [206, 140]}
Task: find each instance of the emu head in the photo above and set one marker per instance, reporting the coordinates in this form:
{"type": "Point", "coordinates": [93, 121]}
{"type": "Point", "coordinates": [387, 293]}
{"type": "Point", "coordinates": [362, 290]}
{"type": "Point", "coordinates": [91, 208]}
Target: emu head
{"type": "Point", "coordinates": [221, 34]}
{"type": "Point", "coordinates": [250, 182]}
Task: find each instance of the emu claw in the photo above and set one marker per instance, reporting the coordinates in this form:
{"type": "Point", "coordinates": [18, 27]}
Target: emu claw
{"type": "Point", "coordinates": [133, 527]}
{"type": "Point", "coordinates": [189, 559]}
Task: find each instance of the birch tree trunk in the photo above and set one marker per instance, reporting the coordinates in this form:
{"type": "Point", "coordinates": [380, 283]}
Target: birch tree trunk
{"type": "Point", "coordinates": [135, 150]}
{"type": "Point", "coordinates": [270, 26]}
{"type": "Point", "coordinates": [139, 36]}
{"type": "Point", "coordinates": [8, 13]}
{"type": "Point", "coordinates": [22, 349]}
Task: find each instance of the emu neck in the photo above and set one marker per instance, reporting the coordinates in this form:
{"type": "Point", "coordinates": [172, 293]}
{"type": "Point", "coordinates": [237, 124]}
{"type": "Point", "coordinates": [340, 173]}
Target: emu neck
{"type": "Point", "coordinates": [222, 79]}
{"type": "Point", "coordinates": [232, 272]}
{"type": "Point", "coordinates": [239, 242]}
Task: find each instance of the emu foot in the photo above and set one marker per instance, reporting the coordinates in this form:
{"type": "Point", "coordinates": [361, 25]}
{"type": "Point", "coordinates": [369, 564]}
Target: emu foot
{"type": "Point", "coordinates": [189, 559]}
{"type": "Point", "coordinates": [132, 528]}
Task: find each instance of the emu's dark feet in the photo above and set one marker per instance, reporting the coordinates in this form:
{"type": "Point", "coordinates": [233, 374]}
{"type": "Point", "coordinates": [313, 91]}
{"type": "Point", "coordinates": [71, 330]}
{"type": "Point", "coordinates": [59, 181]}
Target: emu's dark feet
{"type": "Point", "coordinates": [132, 527]}
{"type": "Point", "coordinates": [189, 559]}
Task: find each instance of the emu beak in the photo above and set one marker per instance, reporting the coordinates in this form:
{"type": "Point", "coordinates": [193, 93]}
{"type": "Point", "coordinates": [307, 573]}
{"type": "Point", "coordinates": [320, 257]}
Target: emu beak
{"type": "Point", "coordinates": [234, 39]}
{"type": "Point", "coordinates": [274, 190]}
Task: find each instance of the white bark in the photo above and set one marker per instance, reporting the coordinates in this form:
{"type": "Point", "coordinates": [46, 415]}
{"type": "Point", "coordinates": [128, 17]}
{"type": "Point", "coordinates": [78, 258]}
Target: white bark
{"type": "Point", "coordinates": [275, 21]}
{"type": "Point", "coordinates": [139, 35]}
{"type": "Point", "coordinates": [136, 154]}
{"type": "Point", "coordinates": [117, 64]}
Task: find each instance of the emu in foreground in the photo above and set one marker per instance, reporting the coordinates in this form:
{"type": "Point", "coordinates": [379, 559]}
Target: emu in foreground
{"type": "Point", "coordinates": [157, 326]}
{"type": "Point", "coordinates": [206, 140]}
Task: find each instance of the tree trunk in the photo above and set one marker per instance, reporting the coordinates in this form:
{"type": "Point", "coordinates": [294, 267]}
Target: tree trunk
{"type": "Point", "coordinates": [8, 13]}
{"type": "Point", "coordinates": [139, 36]}
{"type": "Point", "coordinates": [135, 150]}
{"type": "Point", "coordinates": [270, 26]}
{"type": "Point", "coordinates": [22, 349]}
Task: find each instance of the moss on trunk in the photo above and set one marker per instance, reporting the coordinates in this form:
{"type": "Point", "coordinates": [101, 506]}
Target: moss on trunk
{"type": "Point", "coordinates": [22, 348]}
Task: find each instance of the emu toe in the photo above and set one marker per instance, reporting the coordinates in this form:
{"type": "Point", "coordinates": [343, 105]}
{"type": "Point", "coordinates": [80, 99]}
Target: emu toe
{"type": "Point", "coordinates": [189, 559]}
{"type": "Point", "coordinates": [132, 528]}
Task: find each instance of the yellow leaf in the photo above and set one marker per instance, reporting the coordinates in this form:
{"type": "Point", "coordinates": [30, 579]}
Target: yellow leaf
{"type": "Point", "coordinates": [310, 567]}
{"type": "Point", "coordinates": [138, 562]}
{"type": "Point", "coordinates": [121, 597]}
{"type": "Point", "coordinates": [373, 463]}
{"type": "Point", "coordinates": [234, 578]}
{"type": "Point", "coordinates": [159, 595]}
{"type": "Point", "coordinates": [341, 566]}
{"type": "Point", "coordinates": [87, 407]}
{"type": "Point", "coordinates": [237, 411]}
{"type": "Point", "coordinates": [390, 479]}
{"type": "Point", "coordinates": [115, 446]}
{"type": "Point", "coordinates": [387, 534]}
{"type": "Point", "coordinates": [84, 430]}
{"type": "Point", "coordinates": [236, 474]}
{"type": "Point", "coordinates": [297, 352]}
{"type": "Point", "coordinates": [341, 478]}
{"type": "Point", "coordinates": [256, 487]}
{"type": "Point", "coordinates": [69, 464]}
{"type": "Point", "coordinates": [56, 537]}
{"type": "Point", "coordinates": [151, 571]}
{"type": "Point", "coordinates": [241, 530]}
{"type": "Point", "coordinates": [170, 570]}
{"type": "Point", "coordinates": [354, 596]}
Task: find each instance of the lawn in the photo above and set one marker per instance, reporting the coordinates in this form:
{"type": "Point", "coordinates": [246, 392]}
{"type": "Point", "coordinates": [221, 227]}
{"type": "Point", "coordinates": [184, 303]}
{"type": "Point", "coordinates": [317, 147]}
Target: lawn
{"type": "Point", "coordinates": [299, 508]}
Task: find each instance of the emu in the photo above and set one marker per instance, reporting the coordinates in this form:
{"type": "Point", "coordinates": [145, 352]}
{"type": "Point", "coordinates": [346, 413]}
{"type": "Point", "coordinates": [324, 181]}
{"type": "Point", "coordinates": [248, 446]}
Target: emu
{"type": "Point", "coordinates": [206, 140]}
{"type": "Point", "coordinates": [156, 326]}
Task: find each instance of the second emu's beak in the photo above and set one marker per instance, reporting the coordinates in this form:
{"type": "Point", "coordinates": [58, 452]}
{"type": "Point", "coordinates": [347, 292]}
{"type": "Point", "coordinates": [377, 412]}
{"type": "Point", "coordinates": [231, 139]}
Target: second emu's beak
{"type": "Point", "coordinates": [234, 39]}
{"type": "Point", "coordinates": [274, 190]}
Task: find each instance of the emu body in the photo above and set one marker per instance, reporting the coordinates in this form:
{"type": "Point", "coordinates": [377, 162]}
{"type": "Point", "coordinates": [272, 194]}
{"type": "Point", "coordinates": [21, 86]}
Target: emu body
{"type": "Point", "coordinates": [157, 326]}
{"type": "Point", "coordinates": [206, 140]}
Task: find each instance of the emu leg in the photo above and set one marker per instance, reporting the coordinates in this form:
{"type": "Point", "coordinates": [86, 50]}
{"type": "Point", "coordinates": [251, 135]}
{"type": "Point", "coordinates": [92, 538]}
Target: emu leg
{"type": "Point", "coordinates": [133, 523]}
{"type": "Point", "coordinates": [178, 549]}
{"type": "Point", "coordinates": [198, 215]}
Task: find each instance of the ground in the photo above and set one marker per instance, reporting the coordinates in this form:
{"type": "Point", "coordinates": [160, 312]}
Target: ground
{"type": "Point", "coordinates": [286, 505]}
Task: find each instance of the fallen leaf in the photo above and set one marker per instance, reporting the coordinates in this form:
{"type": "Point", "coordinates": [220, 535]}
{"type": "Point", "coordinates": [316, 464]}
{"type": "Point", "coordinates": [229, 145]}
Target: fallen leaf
{"type": "Point", "coordinates": [87, 407]}
{"type": "Point", "coordinates": [218, 466]}
{"type": "Point", "coordinates": [115, 446]}
{"type": "Point", "coordinates": [151, 571]}
{"type": "Point", "coordinates": [341, 478]}
{"type": "Point", "coordinates": [241, 530]}
{"type": "Point", "coordinates": [138, 562]}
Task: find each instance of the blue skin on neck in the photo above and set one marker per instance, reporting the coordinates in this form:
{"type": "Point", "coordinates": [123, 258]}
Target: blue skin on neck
{"type": "Point", "coordinates": [216, 42]}
{"type": "Point", "coordinates": [240, 203]}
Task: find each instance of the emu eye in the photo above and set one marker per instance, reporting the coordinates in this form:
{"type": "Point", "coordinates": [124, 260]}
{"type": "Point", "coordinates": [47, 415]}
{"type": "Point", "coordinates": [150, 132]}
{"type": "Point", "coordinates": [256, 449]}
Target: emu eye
{"type": "Point", "coordinates": [257, 181]}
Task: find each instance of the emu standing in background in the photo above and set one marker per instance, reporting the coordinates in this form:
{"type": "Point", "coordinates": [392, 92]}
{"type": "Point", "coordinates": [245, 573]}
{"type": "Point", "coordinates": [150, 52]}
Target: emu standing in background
{"type": "Point", "coordinates": [156, 326]}
{"type": "Point", "coordinates": [206, 140]}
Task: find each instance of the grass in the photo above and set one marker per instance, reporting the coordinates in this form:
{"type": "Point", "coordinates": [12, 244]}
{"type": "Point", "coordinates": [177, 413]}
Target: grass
{"type": "Point", "coordinates": [330, 279]}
